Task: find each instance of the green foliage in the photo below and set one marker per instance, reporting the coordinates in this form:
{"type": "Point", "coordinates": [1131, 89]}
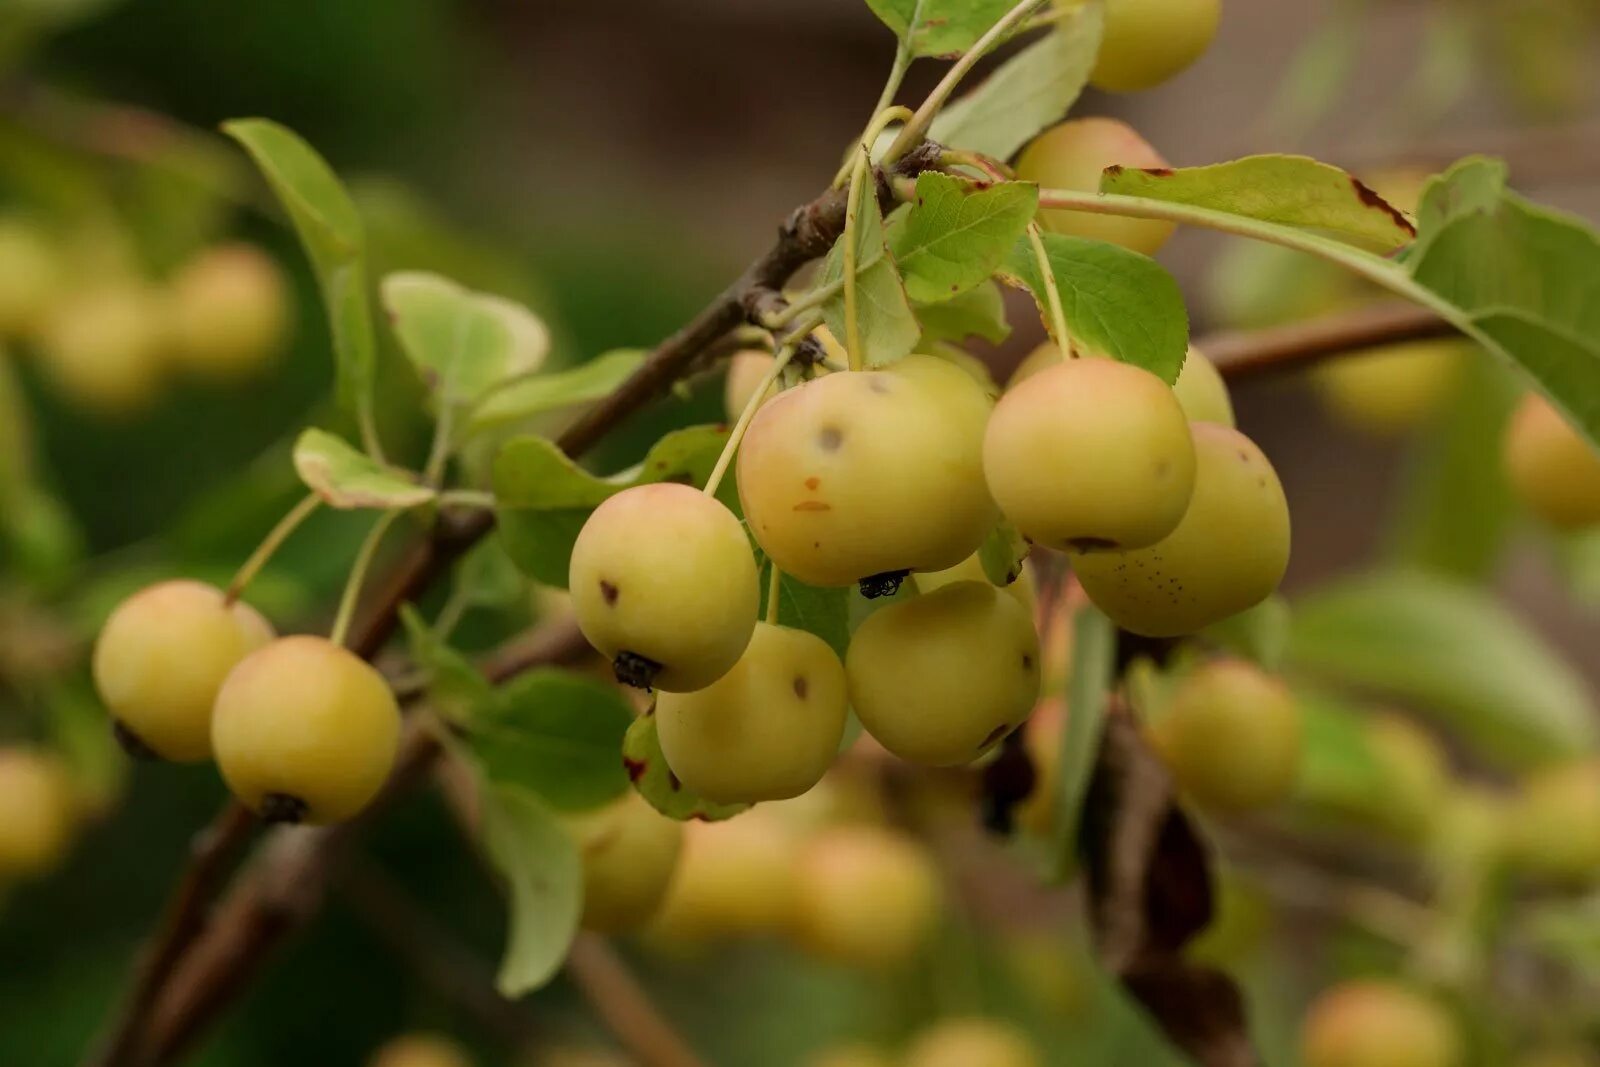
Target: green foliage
{"type": "Point", "coordinates": [940, 27]}
{"type": "Point", "coordinates": [518, 401]}
{"type": "Point", "coordinates": [1339, 771]}
{"type": "Point", "coordinates": [1094, 649]}
{"type": "Point", "coordinates": [888, 326]}
{"type": "Point", "coordinates": [823, 612]}
{"type": "Point", "coordinates": [1287, 190]}
{"type": "Point", "coordinates": [1029, 92]}
{"type": "Point", "coordinates": [1456, 654]}
{"type": "Point", "coordinates": [647, 767]}
{"type": "Point", "coordinates": [346, 478]}
{"type": "Point", "coordinates": [979, 312]}
{"type": "Point", "coordinates": [1260, 634]}
{"type": "Point", "coordinates": [543, 873]}
{"type": "Point", "coordinates": [330, 228]}
{"type": "Point", "coordinates": [543, 498]}
{"type": "Point", "coordinates": [1117, 303]}
{"type": "Point", "coordinates": [1003, 553]}
{"type": "Point", "coordinates": [957, 232]}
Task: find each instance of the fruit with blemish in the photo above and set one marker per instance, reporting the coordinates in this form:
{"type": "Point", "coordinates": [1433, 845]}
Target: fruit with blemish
{"type": "Point", "coordinates": [968, 1042]}
{"type": "Point", "coordinates": [1091, 454]}
{"type": "Point", "coordinates": [1146, 42]}
{"type": "Point", "coordinates": [879, 472]}
{"type": "Point", "coordinates": [1552, 469]}
{"type": "Point", "coordinates": [664, 584]}
{"type": "Point", "coordinates": [766, 730]}
{"type": "Point", "coordinates": [230, 312]}
{"type": "Point", "coordinates": [1228, 554]}
{"type": "Point", "coordinates": [865, 896]}
{"type": "Point", "coordinates": [1374, 1023]}
{"type": "Point", "coordinates": [305, 731]}
{"type": "Point", "coordinates": [36, 799]}
{"type": "Point", "coordinates": [939, 679]}
{"type": "Point", "coordinates": [1074, 156]}
{"type": "Point", "coordinates": [161, 658]}
{"type": "Point", "coordinates": [971, 570]}
{"type": "Point", "coordinates": [1231, 736]}
{"type": "Point", "coordinates": [630, 852]}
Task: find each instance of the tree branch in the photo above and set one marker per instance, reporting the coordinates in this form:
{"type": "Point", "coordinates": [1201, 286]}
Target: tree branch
{"type": "Point", "coordinates": [1280, 349]}
{"type": "Point", "coordinates": [623, 1005]}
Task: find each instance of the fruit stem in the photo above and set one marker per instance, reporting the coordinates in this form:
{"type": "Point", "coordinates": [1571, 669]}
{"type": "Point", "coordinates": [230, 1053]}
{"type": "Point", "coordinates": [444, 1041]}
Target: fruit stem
{"type": "Point", "coordinates": [369, 430]}
{"type": "Point", "coordinates": [897, 76]}
{"type": "Point", "coordinates": [994, 168]}
{"type": "Point", "coordinates": [917, 126]}
{"type": "Point", "coordinates": [466, 498]}
{"type": "Point", "coordinates": [852, 218]}
{"type": "Point", "coordinates": [439, 451]}
{"type": "Point", "coordinates": [802, 304]}
{"type": "Point", "coordinates": [269, 545]}
{"type": "Point", "coordinates": [774, 585]}
{"type": "Point", "coordinates": [736, 435]}
{"type": "Point", "coordinates": [358, 574]}
{"type": "Point", "coordinates": [1058, 315]}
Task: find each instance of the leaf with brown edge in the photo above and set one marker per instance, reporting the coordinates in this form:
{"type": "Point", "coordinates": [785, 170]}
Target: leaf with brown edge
{"type": "Point", "coordinates": [647, 768]}
{"type": "Point", "coordinates": [1150, 894]}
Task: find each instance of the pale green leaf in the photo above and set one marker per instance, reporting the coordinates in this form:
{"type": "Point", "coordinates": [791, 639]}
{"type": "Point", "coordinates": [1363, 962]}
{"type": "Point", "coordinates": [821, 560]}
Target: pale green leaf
{"type": "Point", "coordinates": [1294, 191]}
{"type": "Point", "coordinates": [979, 312]}
{"type": "Point", "coordinates": [888, 326]}
{"type": "Point", "coordinates": [543, 873]}
{"type": "Point", "coordinates": [1094, 649]}
{"type": "Point", "coordinates": [457, 691]}
{"type": "Point", "coordinates": [556, 390]}
{"type": "Point", "coordinates": [1003, 554]}
{"type": "Point", "coordinates": [957, 232]}
{"type": "Point", "coordinates": [1260, 633]}
{"type": "Point", "coordinates": [940, 27]}
{"type": "Point", "coordinates": [819, 611]}
{"type": "Point", "coordinates": [647, 768]}
{"type": "Point", "coordinates": [462, 343]}
{"type": "Point", "coordinates": [556, 734]}
{"type": "Point", "coordinates": [1029, 92]}
{"type": "Point", "coordinates": [1117, 303]}
{"type": "Point", "coordinates": [346, 478]}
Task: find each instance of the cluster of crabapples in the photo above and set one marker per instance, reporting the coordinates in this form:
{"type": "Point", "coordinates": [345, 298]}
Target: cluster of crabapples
{"type": "Point", "coordinates": [302, 729]}
{"type": "Point", "coordinates": [1172, 519]}
{"type": "Point", "coordinates": [107, 337]}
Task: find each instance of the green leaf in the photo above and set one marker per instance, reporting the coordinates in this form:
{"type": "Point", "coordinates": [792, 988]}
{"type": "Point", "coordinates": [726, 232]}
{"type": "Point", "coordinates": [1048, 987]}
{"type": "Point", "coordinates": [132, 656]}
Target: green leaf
{"type": "Point", "coordinates": [889, 328]}
{"type": "Point", "coordinates": [1260, 634]}
{"type": "Point", "coordinates": [1456, 654]}
{"type": "Point", "coordinates": [1094, 649]}
{"type": "Point", "coordinates": [325, 218]}
{"type": "Point", "coordinates": [940, 27]}
{"type": "Point", "coordinates": [487, 578]}
{"type": "Point", "coordinates": [957, 232]}
{"type": "Point", "coordinates": [543, 872]}
{"type": "Point", "coordinates": [1339, 771]}
{"type": "Point", "coordinates": [979, 312]}
{"type": "Point", "coordinates": [1117, 303]}
{"type": "Point", "coordinates": [457, 692]}
{"type": "Point", "coordinates": [647, 768]}
{"type": "Point", "coordinates": [556, 391]}
{"type": "Point", "coordinates": [1003, 553]}
{"type": "Point", "coordinates": [543, 498]}
{"type": "Point", "coordinates": [1294, 191]}
{"type": "Point", "coordinates": [462, 343]}
{"type": "Point", "coordinates": [1030, 91]}
{"type": "Point", "coordinates": [556, 734]}
{"type": "Point", "coordinates": [823, 612]}
{"type": "Point", "coordinates": [346, 478]}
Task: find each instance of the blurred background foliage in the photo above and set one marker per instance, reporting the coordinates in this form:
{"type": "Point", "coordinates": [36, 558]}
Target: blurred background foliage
{"type": "Point", "coordinates": [611, 165]}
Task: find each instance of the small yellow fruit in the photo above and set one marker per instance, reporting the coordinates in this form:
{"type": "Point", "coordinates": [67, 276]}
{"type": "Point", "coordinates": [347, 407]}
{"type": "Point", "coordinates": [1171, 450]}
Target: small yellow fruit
{"type": "Point", "coordinates": [1394, 388]}
{"type": "Point", "coordinates": [1091, 454]}
{"type": "Point", "coordinates": [36, 799]}
{"type": "Point", "coordinates": [1231, 737]}
{"type": "Point", "coordinates": [1377, 1024]}
{"type": "Point", "coordinates": [940, 678]}
{"type": "Point", "coordinates": [971, 570]}
{"type": "Point", "coordinates": [746, 371]}
{"type": "Point", "coordinates": [421, 1050]}
{"type": "Point", "coordinates": [103, 348]}
{"type": "Point", "coordinates": [768, 729]}
{"type": "Point", "coordinates": [856, 475]}
{"type": "Point", "coordinates": [30, 277]}
{"type": "Point", "coordinates": [1552, 469]}
{"type": "Point", "coordinates": [970, 1042]}
{"type": "Point", "coordinates": [1554, 825]}
{"type": "Point", "coordinates": [734, 878]}
{"type": "Point", "coordinates": [1074, 155]}
{"type": "Point", "coordinates": [305, 731]}
{"type": "Point", "coordinates": [664, 574]}
{"type": "Point", "coordinates": [1416, 775]}
{"type": "Point", "coordinates": [866, 897]}
{"type": "Point", "coordinates": [230, 312]}
{"type": "Point", "coordinates": [1202, 392]}
{"type": "Point", "coordinates": [1148, 41]}
{"type": "Point", "coordinates": [630, 852]}
{"type": "Point", "coordinates": [161, 657]}
{"type": "Point", "coordinates": [1229, 553]}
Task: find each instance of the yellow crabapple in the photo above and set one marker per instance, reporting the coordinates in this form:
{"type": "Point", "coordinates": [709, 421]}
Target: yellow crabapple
{"type": "Point", "coordinates": [871, 473]}
{"type": "Point", "coordinates": [1554, 824]}
{"type": "Point", "coordinates": [1146, 42]}
{"type": "Point", "coordinates": [938, 679]}
{"type": "Point", "coordinates": [1393, 388]}
{"type": "Point", "coordinates": [971, 570]}
{"type": "Point", "coordinates": [31, 276]}
{"type": "Point", "coordinates": [1074, 156]}
{"type": "Point", "coordinates": [768, 729]}
{"type": "Point", "coordinates": [1416, 775]}
{"type": "Point", "coordinates": [230, 311]}
{"type": "Point", "coordinates": [162, 656]}
{"type": "Point", "coordinates": [664, 584]}
{"type": "Point", "coordinates": [305, 731]}
{"type": "Point", "coordinates": [865, 896]}
{"type": "Point", "coordinates": [1202, 392]}
{"type": "Point", "coordinates": [1553, 470]}
{"type": "Point", "coordinates": [420, 1050]}
{"type": "Point", "coordinates": [968, 1042]}
{"type": "Point", "coordinates": [734, 878]}
{"type": "Point", "coordinates": [630, 852]}
{"type": "Point", "coordinates": [103, 348]}
{"type": "Point", "coordinates": [1231, 736]}
{"type": "Point", "coordinates": [1091, 454]}
{"type": "Point", "coordinates": [39, 812]}
{"type": "Point", "coordinates": [1375, 1023]}
{"type": "Point", "coordinates": [1229, 553]}
{"type": "Point", "coordinates": [746, 371]}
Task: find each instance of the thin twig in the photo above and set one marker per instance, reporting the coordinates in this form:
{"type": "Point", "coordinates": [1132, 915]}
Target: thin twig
{"type": "Point", "coordinates": [625, 1007]}
{"type": "Point", "coordinates": [1285, 348]}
